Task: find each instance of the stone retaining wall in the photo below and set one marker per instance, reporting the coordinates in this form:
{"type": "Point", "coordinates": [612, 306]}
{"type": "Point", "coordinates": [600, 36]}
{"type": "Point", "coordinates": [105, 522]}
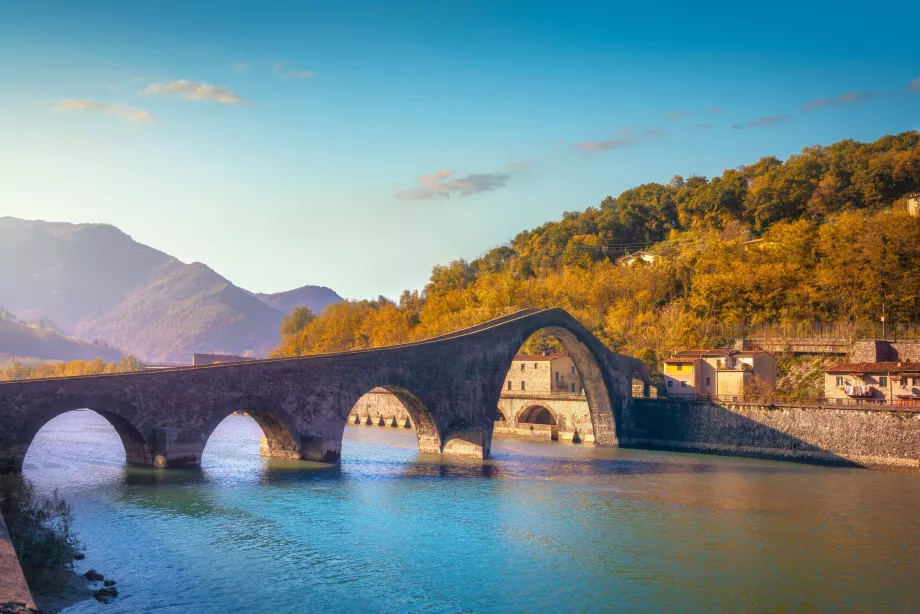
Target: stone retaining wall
{"type": "Point", "coordinates": [13, 587]}
{"type": "Point", "coordinates": [879, 438]}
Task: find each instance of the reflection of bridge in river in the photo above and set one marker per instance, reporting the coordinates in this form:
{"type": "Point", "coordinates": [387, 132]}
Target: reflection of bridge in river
{"type": "Point", "coordinates": [449, 385]}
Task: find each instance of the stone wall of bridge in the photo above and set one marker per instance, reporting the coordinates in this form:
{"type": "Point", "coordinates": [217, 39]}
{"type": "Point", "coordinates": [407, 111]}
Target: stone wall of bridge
{"type": "Point", "coordinates": [879, 438]}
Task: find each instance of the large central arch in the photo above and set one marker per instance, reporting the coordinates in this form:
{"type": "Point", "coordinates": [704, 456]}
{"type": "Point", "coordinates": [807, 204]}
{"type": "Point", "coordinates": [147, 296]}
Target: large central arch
{"type": "Point", "coordinates": [593, 380]}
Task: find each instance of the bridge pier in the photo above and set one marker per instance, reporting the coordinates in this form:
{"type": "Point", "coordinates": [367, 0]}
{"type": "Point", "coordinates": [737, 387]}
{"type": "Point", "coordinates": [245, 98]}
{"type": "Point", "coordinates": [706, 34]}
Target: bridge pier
{"type": "Point", "coordinates": [176, 447]}
{"type": "Point", "coordinates": [320, 449]}
{"type": "Point", "coordinates": [466, 444]}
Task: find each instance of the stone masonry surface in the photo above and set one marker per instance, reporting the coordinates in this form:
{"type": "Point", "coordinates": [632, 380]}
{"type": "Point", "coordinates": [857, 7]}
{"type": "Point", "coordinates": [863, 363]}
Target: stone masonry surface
{"type": "Point", "coordinates": [879, 438]}
{"type": "Point", "coordinates": [13, 587]}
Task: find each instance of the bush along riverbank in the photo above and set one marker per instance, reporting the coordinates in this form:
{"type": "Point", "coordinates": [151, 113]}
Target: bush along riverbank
{"type": "Point", "coordinates": [41, 530]}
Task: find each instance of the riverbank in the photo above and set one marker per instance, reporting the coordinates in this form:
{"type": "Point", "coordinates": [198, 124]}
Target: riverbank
{"type": "Point", "coordinates": [74, 590]}
{"type": "Point", "coordinates": [14, 591]}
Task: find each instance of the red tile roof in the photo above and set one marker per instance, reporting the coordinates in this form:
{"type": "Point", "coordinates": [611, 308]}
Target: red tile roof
{"type": "Point", "coordinates": [875, 367]}
{"type": "Point", "coordinates": [713, 353]}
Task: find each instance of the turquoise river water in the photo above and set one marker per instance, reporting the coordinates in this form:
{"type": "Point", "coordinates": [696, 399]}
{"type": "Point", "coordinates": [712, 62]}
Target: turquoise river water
{"type": "Point", "coordinates": [538, 527]}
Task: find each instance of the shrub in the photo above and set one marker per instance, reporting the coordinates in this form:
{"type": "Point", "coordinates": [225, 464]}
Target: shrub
{"type": "Point", "coordinates": [41, 529]}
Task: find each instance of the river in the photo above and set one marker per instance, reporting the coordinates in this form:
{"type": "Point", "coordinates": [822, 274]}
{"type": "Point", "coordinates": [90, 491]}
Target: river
{"type": "Point", "coordinates": [539, 526]}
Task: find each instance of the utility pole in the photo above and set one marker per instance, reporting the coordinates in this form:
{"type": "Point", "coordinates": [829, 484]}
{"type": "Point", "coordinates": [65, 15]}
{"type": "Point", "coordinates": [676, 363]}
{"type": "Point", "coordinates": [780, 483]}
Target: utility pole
{"type": "Point", "coordinates": [884, 331]}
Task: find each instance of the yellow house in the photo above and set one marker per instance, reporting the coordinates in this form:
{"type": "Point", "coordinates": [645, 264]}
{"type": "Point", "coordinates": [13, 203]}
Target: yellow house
{"type": "Point", "coordinates": [722, 373]}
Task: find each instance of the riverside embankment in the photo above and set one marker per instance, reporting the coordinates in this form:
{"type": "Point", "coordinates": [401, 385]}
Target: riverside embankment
{"type": "Point", "coordinates": [14, 592]}
{"type": "Point", "coordinates": [875, 437]}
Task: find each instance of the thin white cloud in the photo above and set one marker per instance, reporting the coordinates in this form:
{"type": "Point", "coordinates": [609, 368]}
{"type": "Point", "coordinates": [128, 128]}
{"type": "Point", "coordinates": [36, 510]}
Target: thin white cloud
{"type": "Point", "coordinates": [241, 67]}
{"type": "Point", "coordinates": [442, 184]}
{"type": "Point", "coordinates": [761, 122]}
{"type": "Point", "coordinates": [623, 140]}
{"type": "Point", "coordinates": [192, 90]}
{"type": "Point", "coordinates": [678, 115]}
{"type": "Point", "coordinates": [914, 86]}
{"type": "Point", "coordinates": [277, 67]}
{"type": "Point", "coordinates": [843, 99]}
{"type": "Point", "coordinates": [714, 110]}
{"type": "Point", "coordinates": [120, 110]}
{"type": "Point", "coordinates": [436, 176]}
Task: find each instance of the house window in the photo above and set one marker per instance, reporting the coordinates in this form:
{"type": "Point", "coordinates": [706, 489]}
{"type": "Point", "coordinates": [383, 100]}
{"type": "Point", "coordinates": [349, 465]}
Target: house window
{"type": "Point", "coordinates": [522, 384]}
{"type": "Point", "coordinates": [683, 384]}
{"type": "Point", "coordinates": [523, 366]}
{"type": "Point", "coordinates": [573, 370]}
{"type": "Point", "coordinates": [883, 380]}
{"type": "Point", "coordinates": [680, 366]}
{"type": "Point", "coordinates": [707, 381]}
{"type": "Point", "coordinates": [915, 381]}
{"type": "Point", "coordinates": [509, 384]}
{"type": "Point", "coordinates": [840, 380]}
{"type": "Point", "coordinates": [573, 387]}
{"type": "Point", "coordinates": [535, 365]}
{"type": "Point", "coordinates": [557, 377]}
{"type": "Point", "coordinates": [670, 383]}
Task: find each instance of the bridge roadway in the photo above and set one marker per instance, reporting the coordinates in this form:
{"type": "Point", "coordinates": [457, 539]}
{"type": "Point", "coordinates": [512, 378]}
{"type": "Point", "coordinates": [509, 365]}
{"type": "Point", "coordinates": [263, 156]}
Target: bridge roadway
{"type": "Point", "coordinates": [449, 385]}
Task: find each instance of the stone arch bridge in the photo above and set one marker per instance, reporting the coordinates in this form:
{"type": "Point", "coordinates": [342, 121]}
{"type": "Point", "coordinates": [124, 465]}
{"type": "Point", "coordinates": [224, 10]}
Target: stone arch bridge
{"type": "Point", "coordinates": [450, 386]}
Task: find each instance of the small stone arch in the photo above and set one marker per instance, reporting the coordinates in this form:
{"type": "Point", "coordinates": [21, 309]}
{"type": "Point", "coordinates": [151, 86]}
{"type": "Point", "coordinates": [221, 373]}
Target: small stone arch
{"type": "Point", "coordinates": [120, 414]}
{"type": "Point", "coordinates": [429, 436]}
{"type": "Point", "coordinates": [281, 436]}
{"type": "Point", "coordinates": [537, 413]}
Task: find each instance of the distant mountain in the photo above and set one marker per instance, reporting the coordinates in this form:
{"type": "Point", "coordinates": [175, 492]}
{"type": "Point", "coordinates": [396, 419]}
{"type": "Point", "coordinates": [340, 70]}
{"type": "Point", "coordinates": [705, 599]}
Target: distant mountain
{"type": "Point", "coordinates": [19, 340]}
{"type": "Point", "coordinates": [316, 298]}
{"type": "Point", "coordinates": [95, 282]}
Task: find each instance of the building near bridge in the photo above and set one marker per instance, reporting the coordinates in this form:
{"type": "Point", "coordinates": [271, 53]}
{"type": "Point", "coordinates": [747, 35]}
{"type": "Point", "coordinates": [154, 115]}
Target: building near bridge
{"type": "Point", "coordinates": [543, 373]}
{"type": "Point", "coordinates": [719, 373]}
{"type": "Point", "coordinates": [894, 382]}
{"type": "Point", "coordinates": [639, 256]}
{"type": "Point", "coordinates": [543, 398]}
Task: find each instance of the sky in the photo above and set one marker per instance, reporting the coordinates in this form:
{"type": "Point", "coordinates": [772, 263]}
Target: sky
{"type": "Point", "coordinates": [357, 144]}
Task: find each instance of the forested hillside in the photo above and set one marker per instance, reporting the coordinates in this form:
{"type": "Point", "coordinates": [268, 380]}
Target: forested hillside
{"type": "Point", "coordinates": [836, 243]}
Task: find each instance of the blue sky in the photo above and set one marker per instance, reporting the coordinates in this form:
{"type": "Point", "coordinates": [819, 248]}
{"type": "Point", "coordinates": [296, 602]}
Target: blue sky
{"type": "Point", "coordinates": [356, 144]}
